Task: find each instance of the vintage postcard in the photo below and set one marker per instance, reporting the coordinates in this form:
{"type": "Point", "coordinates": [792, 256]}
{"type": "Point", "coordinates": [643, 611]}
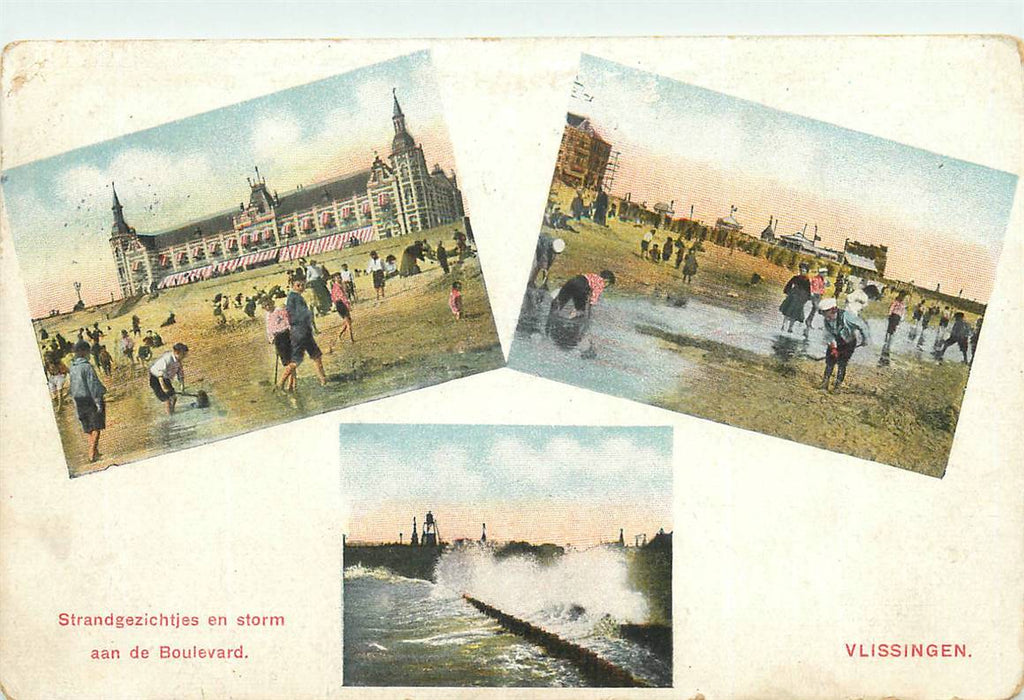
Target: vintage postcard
{"type": "Point", "coordinates": [481, 555]}
{"type": "Point", "coordinates": [289, 255]}
{"type": "Point", "coordinates": [796, 573]}
{"type": "Point", "coordinates": [716, 257]}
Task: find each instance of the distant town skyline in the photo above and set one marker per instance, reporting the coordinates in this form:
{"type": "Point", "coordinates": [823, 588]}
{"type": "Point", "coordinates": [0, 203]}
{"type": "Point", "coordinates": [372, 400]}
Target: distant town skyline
{"type": "Point", "coordinates": [943, 219]}
{"type": "Point", "coordinates": [59, 209]}
{"type": "Point", "coordinates": [555, 484]}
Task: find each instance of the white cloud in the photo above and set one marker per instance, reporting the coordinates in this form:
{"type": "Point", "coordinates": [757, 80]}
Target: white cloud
{"type": "Point", "coordinates": [155, 187]}
{"type": "Point", "coordinates": [272, 134]}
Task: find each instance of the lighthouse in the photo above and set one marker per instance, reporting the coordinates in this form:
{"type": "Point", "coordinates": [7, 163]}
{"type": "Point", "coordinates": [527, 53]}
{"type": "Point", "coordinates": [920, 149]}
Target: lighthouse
{"type": "Point", "coordinates": [430, 537]}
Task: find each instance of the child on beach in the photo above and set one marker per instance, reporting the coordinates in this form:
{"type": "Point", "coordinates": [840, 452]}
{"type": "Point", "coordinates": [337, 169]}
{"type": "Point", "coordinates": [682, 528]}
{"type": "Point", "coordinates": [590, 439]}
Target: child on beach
{"type": "Point", "coordinates": [455, 300]}
{"type": "Point", "coordinates": [301, 320]}
{"type": "Point", "coordinates": [584, 291]}
{"type": "Point", "coordinates": [959, 335]}
{"type": "Point", "coordinates": [105, 360]}
{"type": "Point", "coordinates": [167, 367]}
{"type": "Point", "coordinates": [841, 331]}
{"type": "Point", "coordinates": [87, 391]}
{"type": "Point", "coordinates": [375, 268]}
{"type": "Point", "coordinates": [279, 335]}
{"type": "Point", "coordinates": [56, 374]}
{"type": "Point", "coordinates": [341, 304]}
{"type": "Point", "coordinates": [897, 310]}
{"type": "Point", "coordinates": [690, 266]}
{"type": "Point", "coordinates": [128, 347]}
{"type": "Point", "coordinates": [349, 281]}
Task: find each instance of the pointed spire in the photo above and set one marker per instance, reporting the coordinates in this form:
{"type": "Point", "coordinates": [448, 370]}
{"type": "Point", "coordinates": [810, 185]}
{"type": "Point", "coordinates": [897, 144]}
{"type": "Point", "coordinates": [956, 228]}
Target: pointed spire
{"type": "Point", "coordinates": [403, 141]}
{"type": "Point", "coordinates": [120, 227]}
{"type": "Point", "coordinates": [398, 108]}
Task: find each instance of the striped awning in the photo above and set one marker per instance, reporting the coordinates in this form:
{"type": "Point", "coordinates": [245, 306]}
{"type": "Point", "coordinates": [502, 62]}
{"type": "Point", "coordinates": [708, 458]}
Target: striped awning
{"type": "Point", "coordinates": [179, 278]}
{"type": "Point", "coordinates": [324, 244]}
{"type": "Point", "coordinates": [290, 252]}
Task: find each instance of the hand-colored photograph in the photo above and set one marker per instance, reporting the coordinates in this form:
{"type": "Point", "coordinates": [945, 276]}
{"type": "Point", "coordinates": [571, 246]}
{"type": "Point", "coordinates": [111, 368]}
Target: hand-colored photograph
{"type": "Point", "coordinates": [716, 257]}
{"type": "Point", "coordinates": [508, 556]}
{"type": "Point", "coordinates": [289, 255]}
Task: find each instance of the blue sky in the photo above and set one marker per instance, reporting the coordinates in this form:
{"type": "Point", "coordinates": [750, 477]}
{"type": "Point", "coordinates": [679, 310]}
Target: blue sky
{"type": "Point", "coordinates": [563, 484]}
{"type": "Point", "coordinates": [693, 145]}
{"type": "Point", "coordinates": [59, 208]}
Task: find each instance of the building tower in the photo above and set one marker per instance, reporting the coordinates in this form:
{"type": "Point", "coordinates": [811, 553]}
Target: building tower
{"type": "Point", "coordinates": [123, 243]}
{"type": "Point", "coordinates": [483, 535]}
{"type": "Point", "coordinates": [414, 540]}
{"type": "Point", "coordinates": [416, 208]}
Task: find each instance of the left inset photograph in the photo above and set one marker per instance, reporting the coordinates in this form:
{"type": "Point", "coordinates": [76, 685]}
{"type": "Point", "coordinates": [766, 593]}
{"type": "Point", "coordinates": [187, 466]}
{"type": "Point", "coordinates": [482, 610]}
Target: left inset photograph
{"type": "Point", "coordinates": [293, 254]}
{"type": "Point", "coordinates": [507, 556]}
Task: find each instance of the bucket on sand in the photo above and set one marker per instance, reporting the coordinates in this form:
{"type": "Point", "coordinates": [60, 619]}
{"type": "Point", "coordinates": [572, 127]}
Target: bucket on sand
{"type": "Point", "coordinates": [201, 397]}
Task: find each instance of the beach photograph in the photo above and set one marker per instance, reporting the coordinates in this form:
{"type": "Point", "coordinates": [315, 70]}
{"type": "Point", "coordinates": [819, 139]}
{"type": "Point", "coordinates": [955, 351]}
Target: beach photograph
{"type": "Point", "coordinates": [289, 255]}
{"type": "Point", "coordinates": [507, 556]}
{"type": "Point", "coordinates": [723, 259]}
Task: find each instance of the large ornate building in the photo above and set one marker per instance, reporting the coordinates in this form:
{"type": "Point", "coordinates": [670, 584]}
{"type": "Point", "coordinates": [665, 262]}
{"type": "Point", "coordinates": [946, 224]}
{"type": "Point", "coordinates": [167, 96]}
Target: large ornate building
{"type": "Point", "coordinates": [582, 155]}
{"type": "Point", "coordinates": [392, 198]}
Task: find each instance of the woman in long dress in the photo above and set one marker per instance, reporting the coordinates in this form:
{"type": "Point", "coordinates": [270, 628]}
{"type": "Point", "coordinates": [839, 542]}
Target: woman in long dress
{"type": "Point", "coordinates": [798, 293]}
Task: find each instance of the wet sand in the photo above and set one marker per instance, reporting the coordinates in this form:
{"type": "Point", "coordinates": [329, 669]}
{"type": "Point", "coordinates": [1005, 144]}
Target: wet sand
{"type": "Point", "coordinates": [714, 349]}
{"type": "Point", "coordinates": [408, 340]}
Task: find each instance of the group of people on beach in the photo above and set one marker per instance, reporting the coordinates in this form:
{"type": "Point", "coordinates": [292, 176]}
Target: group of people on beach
{"type": "Point", "coordinates": [290, 328]}
{"type": "Point", "coordinates": [845, 329]}
{"type": "Point", "coordinates": [686, 258]}
{"type": "Point", "coordinates": [82, 378]}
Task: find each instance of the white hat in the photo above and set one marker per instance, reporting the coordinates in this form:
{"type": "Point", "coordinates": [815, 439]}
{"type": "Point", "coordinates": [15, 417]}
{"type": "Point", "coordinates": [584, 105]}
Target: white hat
{"type": "Point", "coordinates": [558, 245]}
{"type": "Point", "coordinates": [823, 269]}
{"type": "Point", "coordinates": [826, 304]}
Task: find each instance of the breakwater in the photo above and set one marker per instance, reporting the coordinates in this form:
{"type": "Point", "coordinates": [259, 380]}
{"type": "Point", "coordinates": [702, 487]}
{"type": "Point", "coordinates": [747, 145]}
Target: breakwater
{"type": "Point", "coordinates": [596, 670]}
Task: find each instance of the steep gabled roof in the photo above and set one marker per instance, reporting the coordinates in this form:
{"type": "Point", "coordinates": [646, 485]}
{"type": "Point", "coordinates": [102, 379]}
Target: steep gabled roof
{"type": "Point", "coordinates": [339, 188]}
{"type": "Point", "coordinates": [322, 193]}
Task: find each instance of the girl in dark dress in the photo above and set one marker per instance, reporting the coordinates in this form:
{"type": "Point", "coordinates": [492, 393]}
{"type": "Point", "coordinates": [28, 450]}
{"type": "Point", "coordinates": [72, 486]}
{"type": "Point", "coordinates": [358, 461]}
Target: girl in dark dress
{"type": "Point", "coordinates": [690, 266]}
{"type": "Point", "coordinates": [798, 293]}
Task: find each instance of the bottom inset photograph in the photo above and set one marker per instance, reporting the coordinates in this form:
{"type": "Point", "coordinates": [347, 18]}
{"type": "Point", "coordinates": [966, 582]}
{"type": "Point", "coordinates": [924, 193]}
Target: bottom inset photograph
{"type": "Point", "coordinates": [510, 556]}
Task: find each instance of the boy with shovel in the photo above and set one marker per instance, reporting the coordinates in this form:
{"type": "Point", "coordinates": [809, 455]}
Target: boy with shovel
{"type": "Point", "coordinates": [167, 367]}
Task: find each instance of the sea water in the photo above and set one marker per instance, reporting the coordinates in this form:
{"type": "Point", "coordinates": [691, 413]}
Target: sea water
{"type": "Point", "coordinates": [400, 631]}
{"type": "Point", "coordinates": [626, 362]}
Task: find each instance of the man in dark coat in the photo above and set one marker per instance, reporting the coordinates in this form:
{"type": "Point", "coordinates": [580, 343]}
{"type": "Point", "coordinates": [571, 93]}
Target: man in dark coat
{"type": "Point", "coordinates": [600, 208]}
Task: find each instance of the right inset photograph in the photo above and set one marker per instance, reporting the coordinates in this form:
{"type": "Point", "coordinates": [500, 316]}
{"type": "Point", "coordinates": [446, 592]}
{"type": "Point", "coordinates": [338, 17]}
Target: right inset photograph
{"type": "Point", "coordinates": [735, 262]}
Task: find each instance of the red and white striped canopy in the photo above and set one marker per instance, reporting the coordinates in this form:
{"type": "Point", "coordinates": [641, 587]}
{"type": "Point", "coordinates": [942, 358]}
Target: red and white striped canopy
{"type": "Point", "coordinates": [324, 244]}
{"type": "Point", "coordinates": [290, 252]}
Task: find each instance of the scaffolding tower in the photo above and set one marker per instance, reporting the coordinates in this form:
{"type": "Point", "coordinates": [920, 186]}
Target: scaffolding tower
{"type": "Point", "coordinates": [611, 169]}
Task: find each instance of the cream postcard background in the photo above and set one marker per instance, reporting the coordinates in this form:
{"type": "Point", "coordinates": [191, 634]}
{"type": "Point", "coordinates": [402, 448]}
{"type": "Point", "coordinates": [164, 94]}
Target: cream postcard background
{"type": "Point", "coordinates": [783, 553]}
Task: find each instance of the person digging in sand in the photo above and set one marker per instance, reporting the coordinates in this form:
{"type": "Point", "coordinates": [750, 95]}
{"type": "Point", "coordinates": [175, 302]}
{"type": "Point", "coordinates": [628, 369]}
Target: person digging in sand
{"type": "Point", "coordinates": [87, 391]}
